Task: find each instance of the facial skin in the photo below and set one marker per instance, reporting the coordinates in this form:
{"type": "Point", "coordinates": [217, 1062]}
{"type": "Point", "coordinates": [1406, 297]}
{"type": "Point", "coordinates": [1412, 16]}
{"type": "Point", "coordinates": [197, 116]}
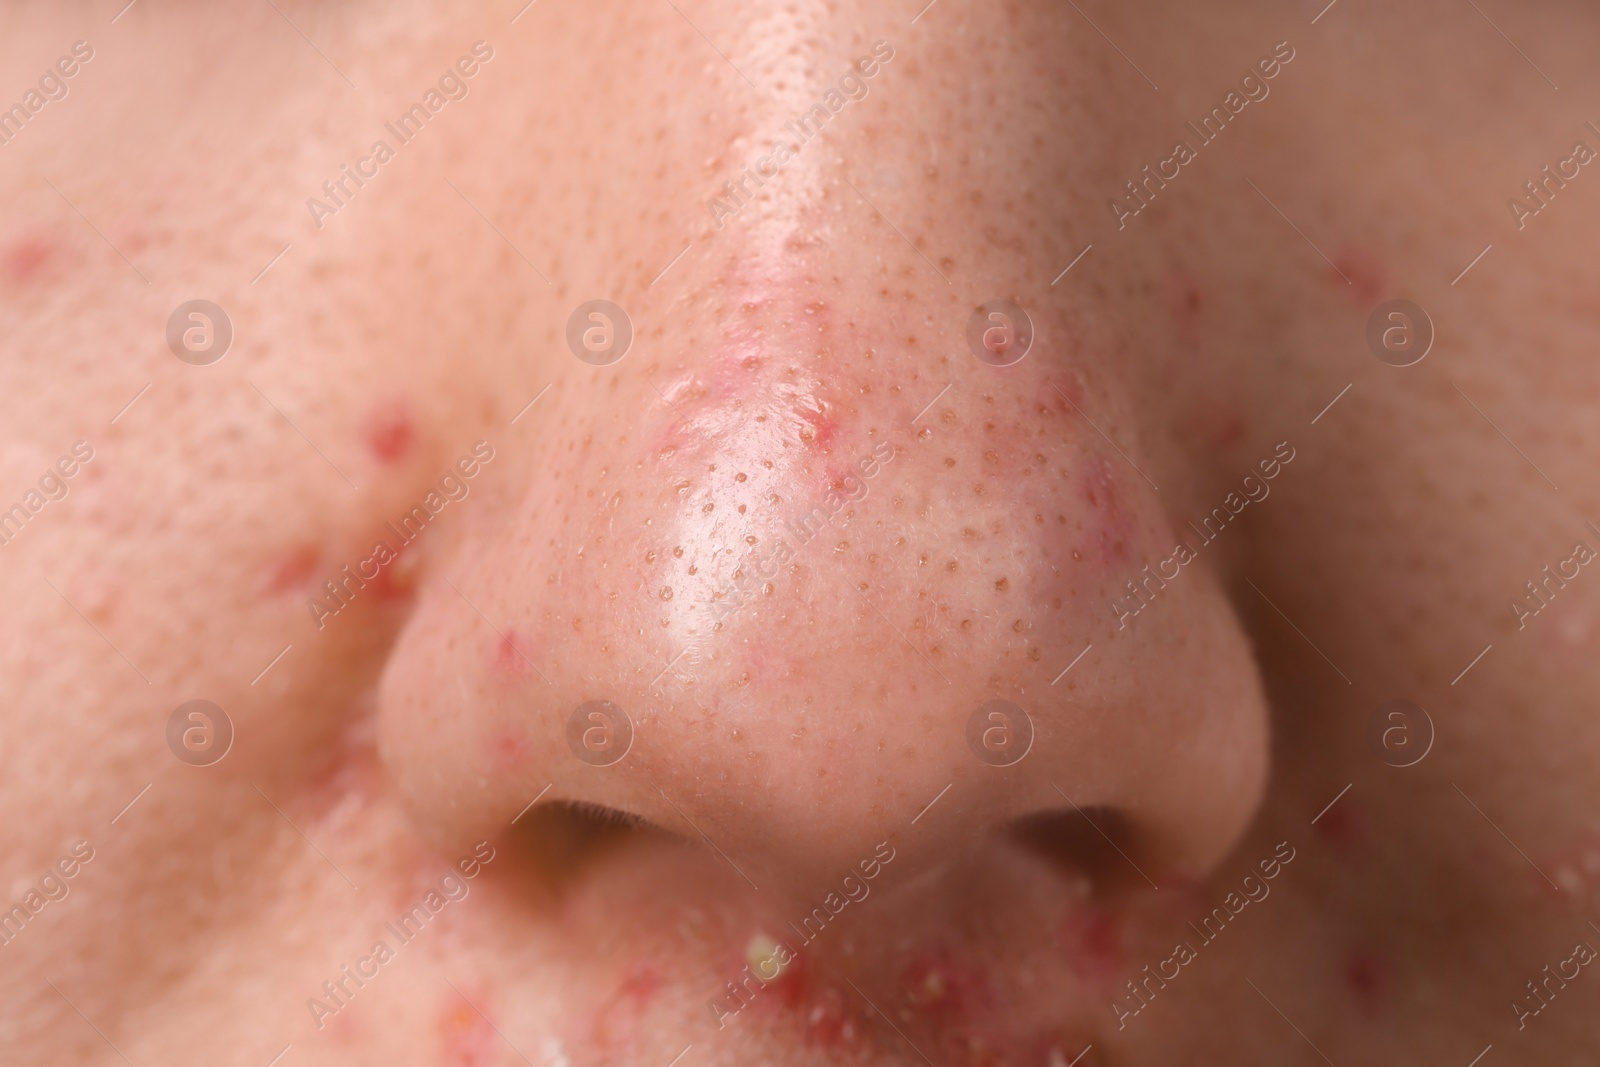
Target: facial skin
{"type": "Point", "coordinates": [799, 858]}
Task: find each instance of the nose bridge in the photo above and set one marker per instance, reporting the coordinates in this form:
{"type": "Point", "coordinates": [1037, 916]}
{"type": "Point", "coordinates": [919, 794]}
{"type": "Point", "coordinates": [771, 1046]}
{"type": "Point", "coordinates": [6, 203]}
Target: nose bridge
{"type": "Point", "coordinates": [829, 508]}
{"type": "Point", "coordinates": [816, 589]}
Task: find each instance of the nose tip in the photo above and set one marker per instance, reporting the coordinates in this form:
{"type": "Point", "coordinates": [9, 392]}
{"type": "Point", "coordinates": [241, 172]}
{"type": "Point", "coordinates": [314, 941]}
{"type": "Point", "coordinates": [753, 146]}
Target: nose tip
{"type": "Point", "coordinates": [830, 630]}
{"type": "Point", "coordinates": [832, 749]}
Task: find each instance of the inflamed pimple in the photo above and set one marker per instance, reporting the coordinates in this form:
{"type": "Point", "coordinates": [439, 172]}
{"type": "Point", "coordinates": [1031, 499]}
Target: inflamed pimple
{"type": "Point", "coordinates": [1184, 302]}
{"type": "Point", "coordinates": [618, 1017]}
{"type": "Point", "coordinates": [1092, 942]}
{"type": "Point", "coordinates": [1359, 273]}
{"type": "Point", "coordinates": [24, 258]}
{"type": "Point", "coordinates": [764, 958]}
{"type": "Point", "coordinates": [934, 983]}
{"type": "Point", "coordinates": [1366, 974]}
{"type": "Point", "coordinates": [290, 571]}
{"type": "Point", "coordinates": [1346, 828]}
{"type": "Point", "coordinates": [508, 752]}
{"type": "Point", "coordinates": [388, 432]}
{"type": "Point", "coordinates": [513, 653]}
{"type": "Point", "coordinates": [1575, 870]}
{"type": "Point", "coordinates": [466, 1038]}
{"type": "Point", "coordinates": [1103, 496]}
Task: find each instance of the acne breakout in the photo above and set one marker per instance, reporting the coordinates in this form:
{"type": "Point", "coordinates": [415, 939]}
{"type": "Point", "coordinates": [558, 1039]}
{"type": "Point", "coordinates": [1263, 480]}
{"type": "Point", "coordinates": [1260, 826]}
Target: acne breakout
{"type": "Point", "coordinates": [768, 959]}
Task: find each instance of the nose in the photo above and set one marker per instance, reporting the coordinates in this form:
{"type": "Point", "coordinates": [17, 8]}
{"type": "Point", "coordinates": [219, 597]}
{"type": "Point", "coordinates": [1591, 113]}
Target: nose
{"type": "Point", "coordinates": [810, 587]}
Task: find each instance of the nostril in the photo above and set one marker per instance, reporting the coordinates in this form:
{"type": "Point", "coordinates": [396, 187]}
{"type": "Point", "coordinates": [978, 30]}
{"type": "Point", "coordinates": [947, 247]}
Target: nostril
{"type": "Point", "coordinates": [1096, 841]}
{"type": "Point", "coordinates": [566, 835]}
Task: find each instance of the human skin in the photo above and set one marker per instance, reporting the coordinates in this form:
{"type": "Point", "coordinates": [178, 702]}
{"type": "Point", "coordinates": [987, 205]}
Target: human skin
{"type": "Point", "coordinates": [821, 723]}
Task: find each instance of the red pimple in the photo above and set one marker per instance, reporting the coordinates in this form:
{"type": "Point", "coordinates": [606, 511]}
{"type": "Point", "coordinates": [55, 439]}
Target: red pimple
{"type": "Point", "coordinates": [1575, 871]}
{"type": "Point", "coordinates": [507, 752]}
{"type": "Point", "coordinates": [818, 427]}
{"type": "Point", "coordinates": [291, 570]}
{"type": "Point", "coordinates": [466, 1038]}
{"type": "Point", "coordinates": [1345, 827]}
{"type": "Point", "coordinates": [618, 1016]}
{"type": "Point", "coordinates": [1093, 944]}
{"type": "Point", "coordinates": [1358, 272]}
{"type": "Point", "coordinates": [1184, 301]}
{"type": "Point", "coordinates": [1367, 975]}
{"type": "Point", "coordinates": [345, 1028]}
{"type": "Point", "coordinates": [347, 775]}
{"type": "Point", "coordinates": [24, 258]}
{"type": "Point", "coordinates": [1101, 494]}
{"type": "Point", "coordinates": [830, 1020]}
{"type": "Point", "coordinates": [1059, 386]}
{"type": "Point", "coordinates": [935, 984]}
{"type": "Point", "coordinates": [389, 432]}
{"type": "Point", "coordinates": [1227, 431]}
{"type": "Point", "coordinates": [514, 653]}
{"type": "Point", "coordinates": [397, 580]}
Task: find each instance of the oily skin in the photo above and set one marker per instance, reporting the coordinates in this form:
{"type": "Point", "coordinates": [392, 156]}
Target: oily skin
{"type": "Point", "coordinates": [806, 729]}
